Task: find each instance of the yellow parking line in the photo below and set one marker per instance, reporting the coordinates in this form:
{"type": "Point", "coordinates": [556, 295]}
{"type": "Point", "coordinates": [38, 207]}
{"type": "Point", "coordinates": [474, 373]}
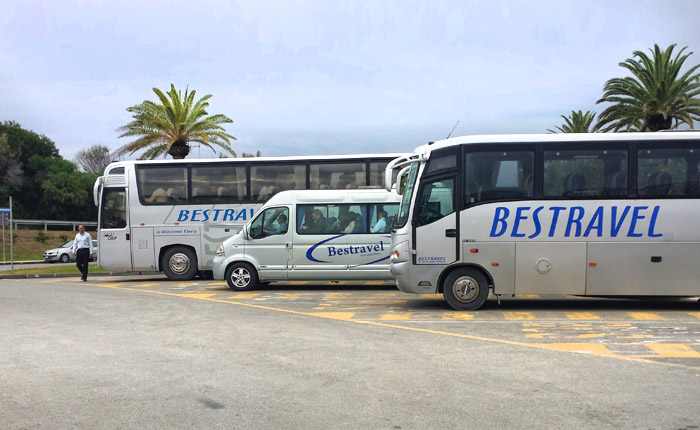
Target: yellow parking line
{"type": "Point", "coordinates": [374, 283]}
{"type": "Point", "coordinates": [298, 282]}
{"type": "Point", "coordinates": [430, 296]}
{"type": "Point", "coordinates": [695, 314]}
{"type": "Point", "coordinates": [336, 295]}
{"type": "Point", "coordinates": [146, 285]}
{"type": "Point", "coordinates": [646, 316]}
{"type": "Point", "coordinates": [196, 296]}
{"type": "Point", "coordinates": [217, 284]}
{"type": "Point", "coordinates": [397, 316]}
{"type": "Point", "coordinates": [289, 296]}
{"type": "Point", "coordinates": [590, 348]}
{"type": "Point", "coordinates": [460, 316]}
{"type": "Point", "coordinates": [581, 316]}
{"type": "Point", "coordinates": [675, 350]}
{"type": "Point", "coordinates": [528, 296]}
{"type": "Point", "coordinates": [519, 316]}
{"type": "Point", "coordinates": [245, 296]}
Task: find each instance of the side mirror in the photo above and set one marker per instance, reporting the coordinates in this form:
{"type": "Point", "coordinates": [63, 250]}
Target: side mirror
{"type": "Point", "coordinates": [245, 233]}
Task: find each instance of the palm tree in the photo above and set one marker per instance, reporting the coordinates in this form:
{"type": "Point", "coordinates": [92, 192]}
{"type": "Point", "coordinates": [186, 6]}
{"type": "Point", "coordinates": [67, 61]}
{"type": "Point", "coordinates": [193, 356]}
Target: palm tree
{"type": "Point", "coordinates": [577, 122]}
{"type": "Point", "coordinates": [656, 97]}
{"type": "Point", "coordinates": [169, 127]}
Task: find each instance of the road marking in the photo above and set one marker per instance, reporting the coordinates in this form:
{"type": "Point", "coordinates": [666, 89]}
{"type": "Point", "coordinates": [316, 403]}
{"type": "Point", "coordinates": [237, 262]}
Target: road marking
{"type": "Point", "coordinates": [245, 296]}
{"type": "Point", "coordinates": [146, 285]}
{"type": "Point", "coordinates": [374, 283]}
{"type": "Point", "coordinates": [519, 316]}
{"type": "Point", "coordinates": [218, 284]}
{"type": "Point", "coordinates": [581, 316]}
{"type": "Point", "coordinates": [298, 282]}
{"type": "Point", "coordinates": [397, 316]}
{"type": "Point", "coordinates": [289, 296]}
{"type": "Point", "coordinates": [429, 296]}
{"type": "Point", "coordinates": [664, 350]}
{"type": "Point", "coordinates": [695, 314]}
{"type": "Point", "coordinates": [674, 350]}
{"type": "Point", "coordinates": [645, 316]}
{"type": "Point", "coordinates": [460, 316]}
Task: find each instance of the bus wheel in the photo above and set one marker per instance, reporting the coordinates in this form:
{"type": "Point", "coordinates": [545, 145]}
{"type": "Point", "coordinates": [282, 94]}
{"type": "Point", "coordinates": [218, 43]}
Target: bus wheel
{"type": "Point", "coordinates": [466, 289]}
{"type": "Point", "coordinates": [180, 263]}
{"type": "Point", "coordinates": [241, 277]}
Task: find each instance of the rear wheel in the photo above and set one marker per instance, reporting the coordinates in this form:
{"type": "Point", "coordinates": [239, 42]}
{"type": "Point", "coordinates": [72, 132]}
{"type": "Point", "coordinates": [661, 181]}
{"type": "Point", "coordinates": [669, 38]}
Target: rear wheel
{"type": "Point", "coordinates": [241, 277]}
{"type": "Point", "coordinates": [466, 289]}
{"type": "Point", "coordinates": [179, 263]}
{"type": "Point", "coordinates": [64, 258]}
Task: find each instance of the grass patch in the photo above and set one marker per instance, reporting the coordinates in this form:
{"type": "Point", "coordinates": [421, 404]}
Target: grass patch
{"type": "Point", "coordinates": [30, 244]}
{"type": "Point", "coordinates": [63, 268]}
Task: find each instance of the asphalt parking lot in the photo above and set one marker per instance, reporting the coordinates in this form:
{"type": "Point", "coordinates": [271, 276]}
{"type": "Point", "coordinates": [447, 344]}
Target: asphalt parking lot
{"type": "Point", "coordinates": [128, 352]}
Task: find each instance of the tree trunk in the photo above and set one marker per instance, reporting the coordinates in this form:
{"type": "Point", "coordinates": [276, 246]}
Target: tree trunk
{"type": "Point", "coordinates": [179, 149]}
{"type": "Point", "coordinates": [657, 122]}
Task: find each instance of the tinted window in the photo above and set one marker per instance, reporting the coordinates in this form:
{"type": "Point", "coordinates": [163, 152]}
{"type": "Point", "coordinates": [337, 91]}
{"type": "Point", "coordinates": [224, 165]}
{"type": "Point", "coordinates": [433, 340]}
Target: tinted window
{"type": "Point", "coordinates": [113, 210]}
{"type": "Point", "coordinates": [381, 217]}
{"type": "Point", "coordinates": [498, 175]}
{"type": "Point", "coordinates": [585, 173]}
{"type": "Point", "coordinates": [668, 172]}
{"type": "Point", "coordinates": [162, 184]}
{"type": "Point", "coordinates": [331, 219]}
{"type": "Point", "coordinates": [218, 184]}
{"type": "Point", "coordinates": [337, 176]}
{"type": "Point", "coordinates": [266, 181]}
{"type": "Point", "coordinates": [435, 201]}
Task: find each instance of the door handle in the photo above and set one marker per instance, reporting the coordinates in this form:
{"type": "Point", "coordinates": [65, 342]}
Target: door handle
{"type": "Point", "coordinates": [128, 236]}
{"type": "Point", "coordinates": [451, 232]}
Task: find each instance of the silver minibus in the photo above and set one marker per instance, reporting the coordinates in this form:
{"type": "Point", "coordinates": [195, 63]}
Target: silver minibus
{"type": "Point", "coordinates": [316, 235]}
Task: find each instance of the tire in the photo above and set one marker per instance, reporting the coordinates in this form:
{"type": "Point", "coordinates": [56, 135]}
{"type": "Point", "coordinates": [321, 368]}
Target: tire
{"type": "Point", "coordinates": [180, 263]}
{"type": "Point", "coordinates": [241, 277]}
{"type": "Point", "coordinates": [65, 258]}
{"type": "Point", "coordinates": [465, 289]}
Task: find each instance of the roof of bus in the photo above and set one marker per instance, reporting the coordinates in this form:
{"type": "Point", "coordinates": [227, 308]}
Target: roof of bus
{"type": "Point", "coordinates": [560, 137]}
{"type": "Point", "coordinates": [337, 157]}
{"type": "Point", "coordinates": [359, 195]}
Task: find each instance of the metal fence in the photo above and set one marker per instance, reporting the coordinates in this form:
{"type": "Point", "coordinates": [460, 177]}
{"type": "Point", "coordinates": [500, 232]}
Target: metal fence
{"type": "Point", "coordinates": [46, 223]}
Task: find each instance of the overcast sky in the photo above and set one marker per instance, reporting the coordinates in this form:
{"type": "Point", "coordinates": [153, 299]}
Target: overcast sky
{"type": "Point", "coordinates": [324, 77]}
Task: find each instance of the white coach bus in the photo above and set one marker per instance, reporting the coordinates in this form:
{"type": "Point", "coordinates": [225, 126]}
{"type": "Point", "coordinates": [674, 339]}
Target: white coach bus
{"type": "Point", "coordinates": [578, 214]}
{"type": "Point", "coordinates": [170, 215]}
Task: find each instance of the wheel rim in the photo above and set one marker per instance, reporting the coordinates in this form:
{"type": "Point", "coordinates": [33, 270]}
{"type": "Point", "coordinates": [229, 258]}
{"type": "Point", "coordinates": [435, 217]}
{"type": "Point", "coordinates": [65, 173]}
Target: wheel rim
{"type": "Point", "coordinates": [465, 289]}
{"type": "Point", "coordinates": [179, 263]}
{"type": "Point", "coordinates": [64, 258]}
{"type": "Point", "coordinates": [240, 277]}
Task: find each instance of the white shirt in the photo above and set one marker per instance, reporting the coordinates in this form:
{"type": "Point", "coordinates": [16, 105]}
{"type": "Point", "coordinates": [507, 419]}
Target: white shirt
{"type": "Point", "coordinates": [82, 240]}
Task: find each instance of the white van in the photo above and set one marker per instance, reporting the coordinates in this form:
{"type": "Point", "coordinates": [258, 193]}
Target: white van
{"type": "Point", "coordinates": [327, 235]}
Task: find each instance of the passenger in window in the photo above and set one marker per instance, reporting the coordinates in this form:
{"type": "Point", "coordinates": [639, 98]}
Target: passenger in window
{"type": "Point", "coordinates": [158, 196]}
{"type": "Point", "coordinates": [380, 226]}
{"type": "Point", "coordinates": [317, 223]}
{"type": "Point", "coordinates": [281, 226]}
{"type": "Point", "coordinates": [173, 195]}
{"type": "Point", "coordinates": [352, 223]}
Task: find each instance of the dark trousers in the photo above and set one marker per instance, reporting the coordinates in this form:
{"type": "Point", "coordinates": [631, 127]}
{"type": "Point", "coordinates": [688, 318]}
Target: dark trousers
{"type": "Point", "coordinates": [81, 260]}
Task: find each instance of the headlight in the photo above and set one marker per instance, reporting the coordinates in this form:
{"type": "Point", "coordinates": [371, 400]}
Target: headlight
{"type": "Point", "coordinates": [220, 250]}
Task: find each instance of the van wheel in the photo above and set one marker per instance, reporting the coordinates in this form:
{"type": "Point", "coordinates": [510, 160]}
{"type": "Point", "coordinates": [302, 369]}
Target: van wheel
{"type": "Point", "coordinates": [241, 277]}
{"type": "Point", "coordinates": [466, 289]}
{"type": "Point", "coordinates": [179, 264]}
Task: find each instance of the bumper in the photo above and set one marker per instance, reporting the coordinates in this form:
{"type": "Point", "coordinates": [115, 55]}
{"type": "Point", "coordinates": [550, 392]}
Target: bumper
{"type": "Point", "coordinates": [219, 267]}
{"type": "Point", "coordinates": [416, 280]}
{"type": "Point", "coordinates": [50, 258]}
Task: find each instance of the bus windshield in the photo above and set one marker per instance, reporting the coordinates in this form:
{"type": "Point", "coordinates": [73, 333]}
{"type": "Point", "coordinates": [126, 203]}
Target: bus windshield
{"type": "Point", "coordinates": [407, 195]}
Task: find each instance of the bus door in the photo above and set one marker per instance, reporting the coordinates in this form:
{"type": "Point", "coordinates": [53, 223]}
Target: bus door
{"type": "Point", "coordinates": [114, 239]}
{"type": "Point", "coordinates": [435, 223]}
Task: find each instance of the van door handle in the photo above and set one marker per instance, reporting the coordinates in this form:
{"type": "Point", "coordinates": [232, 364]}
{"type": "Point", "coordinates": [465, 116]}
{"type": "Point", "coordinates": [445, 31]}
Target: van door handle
{"type": "Point", "coordinates": [451, 232]}
{"type": "Point", "coordinates": [288, 245]}
{"type": "Point", "coordinates": [128, 236]}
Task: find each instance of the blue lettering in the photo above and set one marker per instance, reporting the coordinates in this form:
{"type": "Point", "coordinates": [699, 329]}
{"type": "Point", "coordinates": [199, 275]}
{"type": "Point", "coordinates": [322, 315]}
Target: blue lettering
{"type": "Point", "coordinates": [184, 214]}
{"type": "Point", "coordinates": [616, 226]}
{"type": "Point", "coordinates": [216, 214]}
{"type": "Point", "coordinates": [574, 219]}
{"type": "Point", "coordinates": [633, 223]}
{"type": "Point", "coordinates": [252, 212]}
{"type": "Point", "coordinates": [596, 223]}
{"type": "Point", "coordinates": [499, 219]}
{"type": "Point", "coordinates": [228, 215]}
{"type": "Point", "coordinates": [241, 214]}
{"type": "Point", "coordinates": [331, 251]}
{"type": "Point", "coordinates": [518, 217]}
{"type": "Point", "coordinates": [536, 220]}
{"type": "Point", "coordinates": [194, 214]}
{"type": "Point", "coordinates": [555, 218]}
{"type": "Point", "coordinates": [206, 215]}
{"type": "Point", "coordinates": [652, 223]}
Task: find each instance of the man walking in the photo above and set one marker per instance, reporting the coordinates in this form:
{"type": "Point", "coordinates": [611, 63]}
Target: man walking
{"type": "Point", "coordinates": [82, 250]}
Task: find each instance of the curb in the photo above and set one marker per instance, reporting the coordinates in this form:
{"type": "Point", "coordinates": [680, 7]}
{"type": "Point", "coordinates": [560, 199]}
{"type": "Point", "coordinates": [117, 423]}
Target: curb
{"type": "Point", "coordinates": [71, 275]}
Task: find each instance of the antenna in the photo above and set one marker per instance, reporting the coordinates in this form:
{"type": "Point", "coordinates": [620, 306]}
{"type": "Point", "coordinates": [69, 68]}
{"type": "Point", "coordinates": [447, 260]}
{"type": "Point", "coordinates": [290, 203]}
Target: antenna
{"type": "Point", "coordinates": [453, 129]}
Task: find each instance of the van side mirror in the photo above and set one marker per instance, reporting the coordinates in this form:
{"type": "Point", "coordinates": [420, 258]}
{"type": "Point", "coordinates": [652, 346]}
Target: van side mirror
{"type": "Point", "coordinates": [245, 232]}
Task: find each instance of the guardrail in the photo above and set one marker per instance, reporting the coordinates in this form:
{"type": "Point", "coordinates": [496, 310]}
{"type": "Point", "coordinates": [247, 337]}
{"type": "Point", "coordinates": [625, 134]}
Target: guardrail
{"type": "Point", "coordinates": [47, 223]}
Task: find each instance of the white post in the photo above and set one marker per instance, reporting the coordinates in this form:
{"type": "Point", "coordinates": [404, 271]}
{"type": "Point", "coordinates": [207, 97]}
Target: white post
{"type": "Point", "coordinates": [12, 255]}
